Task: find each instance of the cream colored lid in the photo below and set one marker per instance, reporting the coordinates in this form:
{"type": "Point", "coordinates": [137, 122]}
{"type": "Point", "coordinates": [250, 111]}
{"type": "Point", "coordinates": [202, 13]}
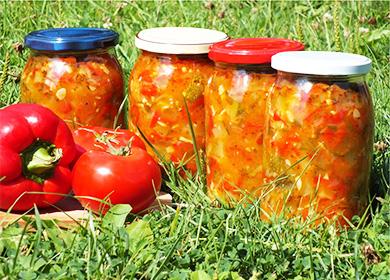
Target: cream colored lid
{"type": "Point", "coordinates": [178, 40]}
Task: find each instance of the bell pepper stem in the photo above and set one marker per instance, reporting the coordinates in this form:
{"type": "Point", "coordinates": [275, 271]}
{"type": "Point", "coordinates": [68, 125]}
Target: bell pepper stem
{"type": "Point", "coordinates": [43, 160]}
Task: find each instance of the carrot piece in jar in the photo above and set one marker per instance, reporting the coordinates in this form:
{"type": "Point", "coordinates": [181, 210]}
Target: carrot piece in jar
{"type": "Point", "coordinates": [149, 90]}
{"type": "Point", "coordinates": [146, 76]}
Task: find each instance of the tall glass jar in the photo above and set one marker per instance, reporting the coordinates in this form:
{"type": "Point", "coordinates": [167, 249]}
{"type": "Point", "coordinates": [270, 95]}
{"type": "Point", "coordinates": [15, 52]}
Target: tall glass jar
{"type": "Point", "coordinates": [235, 104]}
{"type": "Point", "coordinates": [75, 73]}
{"type": "Point", "coordinates": [319, 137]}
{"type": "Point", "coordinates": [173, 68]}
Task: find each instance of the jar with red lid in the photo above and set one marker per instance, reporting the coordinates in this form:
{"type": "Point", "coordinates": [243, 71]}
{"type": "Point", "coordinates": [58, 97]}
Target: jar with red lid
{"type": "Point", "coordinates": [173, 68]}
{"type": "Point", "coordinates": [319, 138]}
{"type": "Point", "coordinates": [75, 73]}
{"type": "Point", "coordinates": [235, 105]}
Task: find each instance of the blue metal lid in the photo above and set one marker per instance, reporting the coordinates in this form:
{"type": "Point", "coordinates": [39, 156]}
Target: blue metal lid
{"type": "Point", "coordinates": [71, 39]}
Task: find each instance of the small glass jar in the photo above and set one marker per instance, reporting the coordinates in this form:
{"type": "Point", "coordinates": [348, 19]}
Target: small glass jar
{"type": "Point", "coordinates": [319, 138]}
{"type": "Point", "coordinates": [172, 68]}
{"type": "Point", "coordinates": [75, 73]}
{"type": "Point", "coordinates": [235, 104]}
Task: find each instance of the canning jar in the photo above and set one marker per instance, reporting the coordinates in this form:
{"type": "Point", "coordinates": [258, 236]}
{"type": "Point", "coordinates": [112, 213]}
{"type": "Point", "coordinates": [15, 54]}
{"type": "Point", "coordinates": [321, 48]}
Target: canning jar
{"type": "Point", "coordinates": [319, 135]}
{"type": "Point", "coordinates": [74, 72]}
{"type": "Point", "coordinates": [235, 103]}
{"type": "Point", "coordinates": [173, 68]}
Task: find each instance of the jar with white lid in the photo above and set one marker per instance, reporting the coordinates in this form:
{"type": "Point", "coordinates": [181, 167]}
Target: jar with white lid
{"type": "Point", "coordinates": [173, 68]}
{"type": "Point", "coordinates": [319, 138]}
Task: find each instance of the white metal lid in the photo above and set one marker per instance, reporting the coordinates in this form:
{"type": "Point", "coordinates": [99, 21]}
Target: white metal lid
{"type": "Point", "coordinates": [178, 40]}
{"type": "Point", "coordinates": [321, 63]}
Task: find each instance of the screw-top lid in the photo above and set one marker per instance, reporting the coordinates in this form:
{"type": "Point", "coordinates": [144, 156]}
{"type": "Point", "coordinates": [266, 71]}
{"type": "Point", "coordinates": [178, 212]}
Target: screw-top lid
{"type": "Point", "coordinates": [178, 40]}
{"type": "Point", "coordinates": [321, 63]}
{"type": "Point", "coordinates": [71, 39]}
{"type": "Point", "coordinates": [251, 50]}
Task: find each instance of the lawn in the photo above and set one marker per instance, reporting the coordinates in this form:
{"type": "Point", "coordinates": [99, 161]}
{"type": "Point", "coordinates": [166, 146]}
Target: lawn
{"type": "Point", "coordinates": [195, 240]}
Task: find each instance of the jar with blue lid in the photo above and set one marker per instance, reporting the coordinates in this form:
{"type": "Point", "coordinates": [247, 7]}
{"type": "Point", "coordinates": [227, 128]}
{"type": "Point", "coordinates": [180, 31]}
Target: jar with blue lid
{"type": "Point", "coordinates": [75, 73]}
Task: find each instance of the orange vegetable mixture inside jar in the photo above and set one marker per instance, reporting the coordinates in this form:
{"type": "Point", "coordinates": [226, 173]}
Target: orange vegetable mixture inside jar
{"type": "Point", "coordinates": [320, 134]}
{"type": "Point", "coordinates": [235, 104]}
{"type": "Point", "coordinates": [172, 69]}
{"type": "Point", "coordinates": [74, 72]}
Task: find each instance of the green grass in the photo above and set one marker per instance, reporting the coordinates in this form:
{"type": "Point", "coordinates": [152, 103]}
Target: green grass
{"type": "Point", "coordinates": [197, 240]}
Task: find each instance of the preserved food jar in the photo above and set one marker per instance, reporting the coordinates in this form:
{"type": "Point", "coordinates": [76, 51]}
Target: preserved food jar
{"type": "Point", "coordinates": [235, 103]}
{"type": "Point", "coordinates": [74, 72]}
{"type": "Point", "coordinates": [172, 67]}
{"type": "Point", "coordinates": [319, 137]}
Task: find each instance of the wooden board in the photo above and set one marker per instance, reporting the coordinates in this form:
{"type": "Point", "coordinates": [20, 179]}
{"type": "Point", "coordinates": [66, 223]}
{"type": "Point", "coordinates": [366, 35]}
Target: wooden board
{"type": "Point", "coordinates": [68, 213]}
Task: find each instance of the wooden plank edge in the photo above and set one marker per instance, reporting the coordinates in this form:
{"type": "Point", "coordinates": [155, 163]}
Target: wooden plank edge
{"type": "Point", "coordinates": [70, 218]}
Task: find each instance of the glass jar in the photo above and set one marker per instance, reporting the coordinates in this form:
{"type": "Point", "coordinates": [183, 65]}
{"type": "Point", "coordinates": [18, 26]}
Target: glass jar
{"type": "Point", "coordinates": [75, 73]}
{"type": "Point", "coordinates": [319, 138]}
{"type": "Point", "coordinates": [172, 68]}
{"type": "Point", "coordinates": [235, 104]}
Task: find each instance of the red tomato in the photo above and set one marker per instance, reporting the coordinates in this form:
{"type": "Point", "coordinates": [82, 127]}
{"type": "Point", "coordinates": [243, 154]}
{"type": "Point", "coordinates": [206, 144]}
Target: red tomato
{"type": "Point", "coordinates": [96, 138]}
{"type": "Point", "coordinates": [134, 179]}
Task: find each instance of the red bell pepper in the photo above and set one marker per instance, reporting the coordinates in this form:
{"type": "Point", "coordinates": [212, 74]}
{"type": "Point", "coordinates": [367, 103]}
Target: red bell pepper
{"type": "Point", "coordinates": [36, 150]}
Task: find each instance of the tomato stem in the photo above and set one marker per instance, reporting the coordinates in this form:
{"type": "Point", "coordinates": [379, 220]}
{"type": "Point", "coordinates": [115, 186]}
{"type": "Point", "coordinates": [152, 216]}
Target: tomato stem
{"type": "Point", "coordinates": [108, 138]}
{"type": "Point", "coordinates": [121, 151]}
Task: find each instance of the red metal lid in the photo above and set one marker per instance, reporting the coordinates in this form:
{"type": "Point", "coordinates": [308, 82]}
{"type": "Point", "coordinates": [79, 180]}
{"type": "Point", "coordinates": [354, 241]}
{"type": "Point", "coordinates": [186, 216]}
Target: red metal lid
{"type": "Point", "coordinates": [251, 50]}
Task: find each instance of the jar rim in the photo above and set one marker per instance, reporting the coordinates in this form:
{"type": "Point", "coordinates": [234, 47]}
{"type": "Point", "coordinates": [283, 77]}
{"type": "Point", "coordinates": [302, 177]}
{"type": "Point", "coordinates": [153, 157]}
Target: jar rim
{"type": "Point", "coordinates": [71, 39]}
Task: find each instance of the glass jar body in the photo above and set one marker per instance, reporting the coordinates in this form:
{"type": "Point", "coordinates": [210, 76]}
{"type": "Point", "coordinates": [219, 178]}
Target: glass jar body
{"type": "Point", "coordinates": [159, 86]}
{"type": "Point", "coordinates": [83, 88]}
{"type": "Point", "coordinates": [318, 145]}
{"type": "Point", "coordinates": [235, 106]}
